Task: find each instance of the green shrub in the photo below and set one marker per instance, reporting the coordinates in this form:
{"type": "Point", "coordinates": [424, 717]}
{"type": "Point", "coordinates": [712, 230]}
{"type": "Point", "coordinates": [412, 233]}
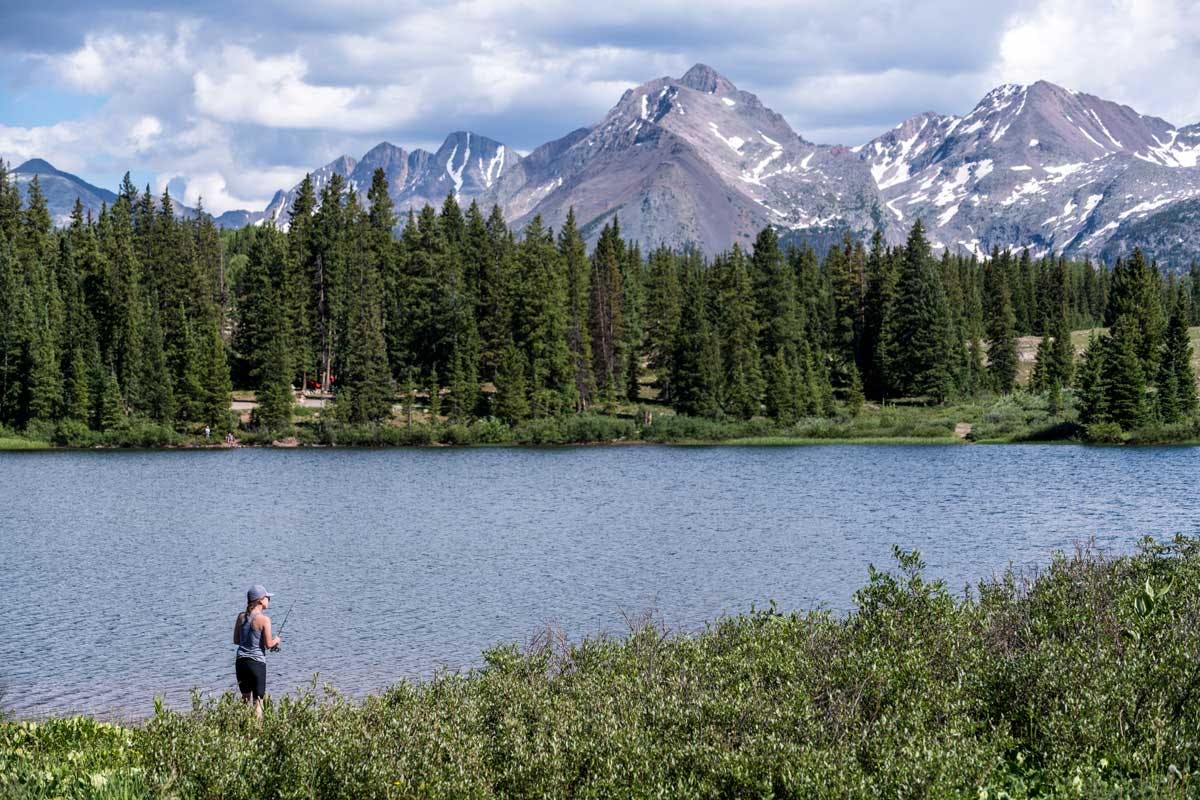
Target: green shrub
{"type": "Point", "coordinates": [1105, 433]}
{"type": "Point", "coordinates": [1080, 681]}
{"type": "Point", "coordinates": [73, 433]}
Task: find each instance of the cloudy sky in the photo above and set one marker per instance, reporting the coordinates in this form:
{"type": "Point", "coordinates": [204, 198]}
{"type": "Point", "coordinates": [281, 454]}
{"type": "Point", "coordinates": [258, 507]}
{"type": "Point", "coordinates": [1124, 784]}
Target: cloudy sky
{"type": "Point", "coordinates": [232, 100]}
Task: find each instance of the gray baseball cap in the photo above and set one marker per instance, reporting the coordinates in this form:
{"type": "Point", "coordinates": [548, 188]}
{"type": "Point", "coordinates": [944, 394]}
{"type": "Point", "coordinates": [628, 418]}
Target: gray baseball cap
{"type": "Point", "coordinates": [257, 592]}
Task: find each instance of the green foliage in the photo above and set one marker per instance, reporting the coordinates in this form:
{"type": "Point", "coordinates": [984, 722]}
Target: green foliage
{"type": "Point", "coordinates": [138, 315]}
{"type": "Point", "coordinates": [1079, 682]}
{"type": "Point", "coordinates": [920, 349]}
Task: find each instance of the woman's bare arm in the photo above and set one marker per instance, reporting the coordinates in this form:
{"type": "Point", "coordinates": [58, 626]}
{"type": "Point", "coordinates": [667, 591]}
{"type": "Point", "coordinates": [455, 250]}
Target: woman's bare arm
{"type": "Point", "coordinates": [268, 642]}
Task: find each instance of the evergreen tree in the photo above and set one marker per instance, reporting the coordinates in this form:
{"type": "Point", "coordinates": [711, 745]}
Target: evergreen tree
{"type": "Point", "coordinates": [663, 306]}
{"type": "Point", "coordinates": [1001, 322]}
{"type": "Point", "coordinates": [364, 389]}
{"type": "Point", "coordinates": [1175, 395]}
{"type": "Point", "coordinates": [159, 397]}
{"type": "Point", "coordinates": [541, 323]}
{"type": "Point", "coordinates": [111, 411]}
{"type": "Point", "coordinates": [879, 304]}
{"type": "Point", "coordinates": [919, 332]}
{"type": "Point", "coordinates": [696, 360]}
{"type": "Point", "coordinates": [784, 399]}
{"type": "Point", "coordinates": [1124, 381]}
{"type": "Point", "coordinates": [605, 322]}
{"type": "Point", "coordinates": [1054, 365]}
{"type": "Point", "coordinates": [1134, 293]}
{"type": "Point", "coordinates": [1091, 390]}
{"type": "Point", "coordinates": [633, 281]}
{"type": "Point", "coordinates": [512, 401]}
{"type": "Point", "coordinates": [743, 383]}
{"type": "Point", "coordinates": [573, 252]}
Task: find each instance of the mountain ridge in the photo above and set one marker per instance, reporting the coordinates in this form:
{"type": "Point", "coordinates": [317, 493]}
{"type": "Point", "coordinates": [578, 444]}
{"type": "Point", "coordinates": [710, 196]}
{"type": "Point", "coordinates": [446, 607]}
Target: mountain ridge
{"type": "Point", "coordinates": [696, 161]}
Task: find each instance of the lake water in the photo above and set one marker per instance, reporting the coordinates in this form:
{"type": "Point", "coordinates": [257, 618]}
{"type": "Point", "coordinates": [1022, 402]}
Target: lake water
{"type": "Point", "coordinates": [121, 572]}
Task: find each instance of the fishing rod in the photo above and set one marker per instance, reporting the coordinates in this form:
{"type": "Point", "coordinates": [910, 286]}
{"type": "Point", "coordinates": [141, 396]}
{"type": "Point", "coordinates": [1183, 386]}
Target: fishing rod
{"type": "Point", "coordinates": [275, 649]}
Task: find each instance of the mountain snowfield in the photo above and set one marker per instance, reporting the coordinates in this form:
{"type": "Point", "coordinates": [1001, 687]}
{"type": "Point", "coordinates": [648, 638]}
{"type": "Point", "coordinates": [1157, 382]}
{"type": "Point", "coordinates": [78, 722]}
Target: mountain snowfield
{"type": "Point", "coordinates": [1038, 166]}
{"type": "Point", "coordinates": [696, 161]}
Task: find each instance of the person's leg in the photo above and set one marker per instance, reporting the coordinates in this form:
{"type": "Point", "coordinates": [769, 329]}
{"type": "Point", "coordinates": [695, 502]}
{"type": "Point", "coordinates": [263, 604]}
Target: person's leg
{"type": "Point", "coordinates": [260, 687]}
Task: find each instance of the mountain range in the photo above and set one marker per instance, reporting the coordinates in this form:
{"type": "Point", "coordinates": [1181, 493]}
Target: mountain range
{"type": "Point", "coordinates": [696, 161]}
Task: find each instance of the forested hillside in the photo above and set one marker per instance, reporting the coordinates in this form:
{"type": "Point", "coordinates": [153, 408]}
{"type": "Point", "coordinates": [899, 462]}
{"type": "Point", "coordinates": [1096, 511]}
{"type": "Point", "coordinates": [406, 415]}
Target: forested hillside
{"type": "Point", "coordinates": [137, 317]}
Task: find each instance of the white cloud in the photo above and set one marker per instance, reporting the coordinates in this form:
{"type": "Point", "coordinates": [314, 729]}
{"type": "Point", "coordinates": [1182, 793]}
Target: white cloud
{"type": "Point", "coordinates": [273, 92]}
{"type": "Point", "coordinates": [1144, 53]}
{"type": "Point", "coordinates": [144, 132]}
{"type": "Point", "coordinates": [243, 104]}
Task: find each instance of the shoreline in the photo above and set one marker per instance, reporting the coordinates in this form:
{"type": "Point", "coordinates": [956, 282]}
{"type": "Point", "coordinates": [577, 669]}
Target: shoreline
{"type": "Point", "coordinates": [821, 704]}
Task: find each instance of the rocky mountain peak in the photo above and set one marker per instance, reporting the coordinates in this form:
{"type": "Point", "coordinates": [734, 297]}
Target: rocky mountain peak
{"type": "Point", "coordinates": [704, 78]}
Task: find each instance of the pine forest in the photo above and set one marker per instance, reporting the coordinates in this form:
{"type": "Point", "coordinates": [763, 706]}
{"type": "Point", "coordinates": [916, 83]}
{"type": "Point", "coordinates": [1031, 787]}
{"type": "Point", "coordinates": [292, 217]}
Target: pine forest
{"type": "Point", "coordinates": [140, 320]}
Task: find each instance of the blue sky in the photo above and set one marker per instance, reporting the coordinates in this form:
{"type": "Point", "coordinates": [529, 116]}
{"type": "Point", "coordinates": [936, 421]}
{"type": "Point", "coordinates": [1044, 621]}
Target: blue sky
{"type": "Point", "coordinates": [233, 100]}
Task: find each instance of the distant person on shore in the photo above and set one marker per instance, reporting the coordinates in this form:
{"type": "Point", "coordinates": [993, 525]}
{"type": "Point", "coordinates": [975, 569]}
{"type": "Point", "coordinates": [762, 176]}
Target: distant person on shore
{"type": "Point", "coordinates": [252, 635]}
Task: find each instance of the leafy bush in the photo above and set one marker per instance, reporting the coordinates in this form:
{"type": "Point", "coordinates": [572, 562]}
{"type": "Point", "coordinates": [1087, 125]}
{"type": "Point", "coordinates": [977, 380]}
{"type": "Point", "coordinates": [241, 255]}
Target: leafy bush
{"type": "Point", "coordinates": [1105, 433]}
{"type": "Point", "coordinates": [1079, 682]}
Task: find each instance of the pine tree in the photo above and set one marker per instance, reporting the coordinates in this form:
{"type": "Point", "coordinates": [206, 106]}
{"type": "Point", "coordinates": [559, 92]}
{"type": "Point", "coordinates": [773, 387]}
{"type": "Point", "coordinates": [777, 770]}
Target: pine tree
{"type": "Point", "coordinates": [696, 361]}
{"type": "Point", "coordinates": [738, 331]}
{"type": "Point", "coordinates": [77, 401]}
{"type": "Point", "coordinates": [1175, 395]}
{"type": "Point", "coordinates": [879, 304]}
{"type": "Point", "coordinates": [919, 332]}
{"type": "Point", "coordinates": [633, 345]}
{"type": "Point", "coordinates": [1124, 381]}
{"type": "Point", "coordinates": [1135, 293]}
{"type": "Point", "coordinates": [541, 324]}
{"type": "Point", "coordinates": [782, 394]}
{"type": "Point", "coordinates": [1054, 365]}
{"type": "Point", "coordinates": [364, 387]}
{"type": "Point", "coordinates": [214, 375]}
{"type": "Point", "coordinates": [663, 307]}
{"type": "Point", "coordinates": [573, 252]}
{"type": "Point", "coordinates": [605, 321]}
{"type": "Point", "coordinates": [1091, 389]}
{"type": "Point", "coordinates": [512, 401]}
{"type": "Point", "coordinates": [1000, 325]}
{"type": "Point", "coordinates": [159, 396]}
{"type": "Point", "coordinates": [111, 410]}
{"type": "Point", "coordinates": [16, 322]}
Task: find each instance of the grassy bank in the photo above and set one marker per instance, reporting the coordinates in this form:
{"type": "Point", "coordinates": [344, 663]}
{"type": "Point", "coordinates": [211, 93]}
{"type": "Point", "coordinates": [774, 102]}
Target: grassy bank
{"type": "Point", "coordinates": [1083, 682]}
{"type": "Point", "coordinates": [1016, 417]}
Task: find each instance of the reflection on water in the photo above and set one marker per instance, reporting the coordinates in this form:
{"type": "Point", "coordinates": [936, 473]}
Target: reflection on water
{"type": "Point", "coordinates": [121, 573]}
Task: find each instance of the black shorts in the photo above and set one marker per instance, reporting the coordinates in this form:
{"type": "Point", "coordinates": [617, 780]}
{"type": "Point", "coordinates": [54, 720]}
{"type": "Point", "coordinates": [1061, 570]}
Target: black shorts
{"type": "Point", "coordinates": [251, 676]}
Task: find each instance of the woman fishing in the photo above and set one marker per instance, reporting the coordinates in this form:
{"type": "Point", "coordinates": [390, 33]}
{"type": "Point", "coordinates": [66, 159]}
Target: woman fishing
{"type": "Point", "coordinates": [252, 635]}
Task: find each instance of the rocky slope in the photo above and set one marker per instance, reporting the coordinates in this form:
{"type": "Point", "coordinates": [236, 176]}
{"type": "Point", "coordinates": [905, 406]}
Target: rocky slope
{"type": "Point", "coordinates": [696, 161]}
{"type": "Point", "coordinates": [467, 165]}
{"type": "Point", "coordinates": [692, 161]}
{"type": "Point", "coordinates": [1037, 165]}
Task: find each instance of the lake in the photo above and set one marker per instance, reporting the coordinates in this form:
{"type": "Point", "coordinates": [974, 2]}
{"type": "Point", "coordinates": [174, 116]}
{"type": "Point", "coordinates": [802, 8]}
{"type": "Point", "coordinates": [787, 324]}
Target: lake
{"type": "Point", "coordinates": [121, 572]}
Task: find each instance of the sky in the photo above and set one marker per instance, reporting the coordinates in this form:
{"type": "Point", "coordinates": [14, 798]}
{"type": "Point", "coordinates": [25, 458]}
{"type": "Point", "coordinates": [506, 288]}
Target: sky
{"type": "Point", "coordinates": [229, 101]}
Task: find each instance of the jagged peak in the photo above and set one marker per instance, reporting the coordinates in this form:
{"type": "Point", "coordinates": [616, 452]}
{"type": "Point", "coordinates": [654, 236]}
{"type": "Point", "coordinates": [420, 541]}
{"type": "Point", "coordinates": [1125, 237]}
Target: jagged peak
{"type": "Point", "coordinates": [704, 78]}
{"type": "Point", "coordinates": [383, 147]}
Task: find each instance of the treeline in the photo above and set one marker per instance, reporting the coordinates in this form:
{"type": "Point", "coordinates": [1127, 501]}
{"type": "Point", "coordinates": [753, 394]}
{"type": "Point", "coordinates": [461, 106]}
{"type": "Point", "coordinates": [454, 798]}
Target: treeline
{"type": "Point", "coordinates": [137, 315]}
{"type": "Point", "coordinates": [112, 319]}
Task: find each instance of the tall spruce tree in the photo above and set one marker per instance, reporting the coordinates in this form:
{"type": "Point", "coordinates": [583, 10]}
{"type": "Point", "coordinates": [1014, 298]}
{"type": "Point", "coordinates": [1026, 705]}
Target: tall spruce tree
{"type": "Point", "coordinates": [738, 330]}
{"type": "Point", "coordinates": [1175, 395]}
{"type": "Point", "coordinates": [573, 252]}
{"type": "Point", "coordinates": [1000, 324]}
{"type": "Point", "coordinates": [1124, 380]}
{"type": "Point", "coordinates": [919, 331]}
{"type": "Point", "coordinates": [606, 303]}
{"type": "Point", "coordinates": [696, 362]}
